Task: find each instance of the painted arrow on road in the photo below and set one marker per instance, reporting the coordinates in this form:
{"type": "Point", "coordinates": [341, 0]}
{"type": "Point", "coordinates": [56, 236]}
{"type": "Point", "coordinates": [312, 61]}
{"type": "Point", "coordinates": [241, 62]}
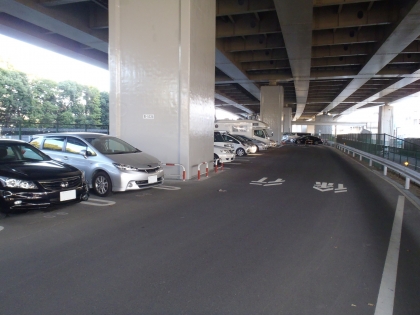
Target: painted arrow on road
{"type": "Point", "coordinates": [262, 182]}
{"type": "Point", "coordinates": [324, 186]}
{"type": "Point", "coordinates": [259, 182]}
{"type": "Point", "coordinates": [278, 181]}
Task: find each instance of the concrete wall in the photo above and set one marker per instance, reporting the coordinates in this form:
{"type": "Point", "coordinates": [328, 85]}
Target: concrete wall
{"type": "Point", "coordinates": [272, 100]}
{"type": "Point", "coordinates": [386, 120]}
{"type": "Point", "coordinates": [321, 129]}
{"type": "Point", "coordinates": [161, 61]}
{"type": "Point", "coordinates": [287, 119]}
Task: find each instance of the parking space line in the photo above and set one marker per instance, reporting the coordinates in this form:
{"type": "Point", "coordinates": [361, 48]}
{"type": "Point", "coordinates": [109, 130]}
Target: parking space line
{"type": "Point", "coordinates": [1, 228]}
{"type": "Point", "coordinates": [98, 202]}
{"type": "Point", "coordinates": [167, 187]}
{"type": "Point", "coordinates": [386, 296]}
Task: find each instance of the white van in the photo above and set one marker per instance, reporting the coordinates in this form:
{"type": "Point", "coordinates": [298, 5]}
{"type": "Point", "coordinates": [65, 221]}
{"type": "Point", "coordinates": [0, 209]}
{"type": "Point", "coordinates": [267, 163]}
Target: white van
{"type": "Point", "coordinates": [253, 129]}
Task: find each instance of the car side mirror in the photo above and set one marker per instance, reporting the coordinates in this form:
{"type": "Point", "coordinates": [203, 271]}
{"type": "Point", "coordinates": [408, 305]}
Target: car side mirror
{"type": "Point", "coordinates": [85, 153]}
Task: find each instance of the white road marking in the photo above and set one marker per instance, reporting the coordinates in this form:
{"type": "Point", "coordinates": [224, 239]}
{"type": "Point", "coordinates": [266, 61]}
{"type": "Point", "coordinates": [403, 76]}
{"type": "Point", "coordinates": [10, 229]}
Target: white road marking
{"type": "Point", "coordinates": [98, 202]}
{"type": "Point", "coordinates": [278, 181]}
{"type": "Point", "coordinates": [261, 181]}
{"type": "Point", "coordinates": [386, 296]}
{"type": "Point", "coordinates": [323, 186]}
{"type": "Point", "coordinates": [340, 189]}
{"type": "Point", "coordinates": [1, 228]}
{"type": "Point", "coordinates": [167, 187]}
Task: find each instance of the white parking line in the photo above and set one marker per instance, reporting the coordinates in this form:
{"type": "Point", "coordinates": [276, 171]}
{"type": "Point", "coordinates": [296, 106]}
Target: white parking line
{"type": "Point", "coordinates": [1, 228]}
{"type": "Point", "coordinates": [167, 187]}
{"type": "Point", "coordinates": [386, 296]}
{"type": "Point", "coordinates": [98, 202]}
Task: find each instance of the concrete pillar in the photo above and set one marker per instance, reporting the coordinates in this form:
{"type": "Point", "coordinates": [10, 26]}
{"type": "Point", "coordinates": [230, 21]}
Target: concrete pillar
{"type": "Point", "coordinates": [287, 119]}
{"type": "Point", "coordinates": [161, 62]}
{"type": "Point", "coordinates": [272, 100]}
{"type": "Point", "coordinates": [386, 120]}
{"type": "Point", "coordinates": [323, 129]}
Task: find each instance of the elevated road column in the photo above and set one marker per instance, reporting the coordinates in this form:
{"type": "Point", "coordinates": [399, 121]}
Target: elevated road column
{"type": "Point", "coordinates": [272, 101]}
{"type": "Point", "coordinates": [287, 119]}
{"type": "Point", "coordinates": [386, 120]}
{"type": "Point", "coordinates": [161, 62]}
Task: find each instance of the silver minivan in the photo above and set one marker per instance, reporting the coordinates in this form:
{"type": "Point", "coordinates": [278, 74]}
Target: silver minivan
{"type": "Point", "coordinates": [110, 164]}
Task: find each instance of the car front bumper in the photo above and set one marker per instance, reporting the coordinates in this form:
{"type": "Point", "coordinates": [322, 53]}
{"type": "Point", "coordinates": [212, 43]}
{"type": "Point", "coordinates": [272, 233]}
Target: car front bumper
{"type": "Point", "coordinates": [12, 199]}
{"type": "Point", "coordinates": [132, 180]}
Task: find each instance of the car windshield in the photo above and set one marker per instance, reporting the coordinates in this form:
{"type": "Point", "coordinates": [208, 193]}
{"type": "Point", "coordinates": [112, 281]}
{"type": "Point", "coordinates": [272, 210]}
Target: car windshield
{"type": "Point", "coordinates": [20, 152]}
{"type": "Point", "coordinates": [111, 145]}
{"type": "Point", "coordinates": [218, 137]}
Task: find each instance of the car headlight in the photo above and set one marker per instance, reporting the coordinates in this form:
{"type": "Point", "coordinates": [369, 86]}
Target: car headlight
{"type": "Point", "coordinates": [17, 183]}
{"type": "Point", "coordinates": [123, 167]}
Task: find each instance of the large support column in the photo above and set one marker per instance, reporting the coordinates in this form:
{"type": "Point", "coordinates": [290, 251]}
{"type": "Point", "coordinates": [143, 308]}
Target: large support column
{"type": "Point", "coordinates": [386, 119]}
{"type": "Point", "coordinates": [272, 99]}
{"type": "Point", "coordinates": [323, 129]}
{"type": "Point", "coordinates": [161, 61]}
{"type": "Point", "coordinates": [287, 119]}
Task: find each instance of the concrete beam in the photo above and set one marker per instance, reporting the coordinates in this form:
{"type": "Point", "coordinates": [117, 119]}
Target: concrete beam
{"type": "Point", "coordinates": [404, 32]}
{"type": "Point", "coordinates": [230, 68]}
{"type": "Point", "coordinates": [394, 87]}
{"type": "Point", "coordinates": [52, 3]}
{"type": "Point", "coordinates": [246, 25]}
{"type": "Point", "coordinates": [247, 6]}
{"type": "Point", "coordinates": [56, 20]}
{"type": "Point", "coordinates": [232, 103]}
{"type": "Point", "coordinates": [297, 34]}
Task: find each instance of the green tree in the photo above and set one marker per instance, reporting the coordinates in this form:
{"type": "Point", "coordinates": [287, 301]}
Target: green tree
{"type": "Point", "coordinates": [15, 97]}
{"type": "Point", "coordinates": [93, 106]}
{"type": "Point", "coordinates": [70, 103]}
{"type": "Point", "coordinates": [104, 108]}
{"type": "Point", "coordinates": [45, 94]}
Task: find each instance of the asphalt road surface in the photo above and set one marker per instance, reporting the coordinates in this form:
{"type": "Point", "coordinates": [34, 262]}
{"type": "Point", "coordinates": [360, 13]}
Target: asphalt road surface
{"type": "Point", "coordinates": [295, 230]}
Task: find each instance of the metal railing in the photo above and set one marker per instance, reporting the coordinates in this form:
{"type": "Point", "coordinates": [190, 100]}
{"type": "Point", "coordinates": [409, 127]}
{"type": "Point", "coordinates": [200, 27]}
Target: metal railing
{"type": "Point", "coordinates": [24, 131]}
{"type": "Point", "coordinates": [397, 150]}
{"type": "Point", "coordinates": [409, 174]}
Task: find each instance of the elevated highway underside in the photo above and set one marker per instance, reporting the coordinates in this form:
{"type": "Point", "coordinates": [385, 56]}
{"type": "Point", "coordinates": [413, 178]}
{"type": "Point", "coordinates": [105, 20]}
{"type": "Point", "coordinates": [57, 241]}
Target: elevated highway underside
{"type": "Point", "coordinates": [295, 230]}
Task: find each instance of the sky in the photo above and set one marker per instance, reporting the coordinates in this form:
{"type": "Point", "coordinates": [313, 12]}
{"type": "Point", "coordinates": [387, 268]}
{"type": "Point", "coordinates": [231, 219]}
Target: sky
{"type": "Point", "coordinates": [46, 64]}
{"type": "Point", "coordinates": [42, 63]}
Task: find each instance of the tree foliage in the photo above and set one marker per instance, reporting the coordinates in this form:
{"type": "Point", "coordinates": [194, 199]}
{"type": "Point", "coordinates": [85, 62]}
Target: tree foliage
{"type": "Point", "coordinates": [15, 97]}
{"type": "Point", "coordinates": [48, 102]}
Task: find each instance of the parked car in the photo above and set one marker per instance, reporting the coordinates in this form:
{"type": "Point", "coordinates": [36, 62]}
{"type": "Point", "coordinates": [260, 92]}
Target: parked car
{"type": "Point", "coordinates": [224, 155]}
{"type": "Point", "coordinates": [220, 141]}
{"type": "Point", "coordinates": [259, 144]}
{"type": "Point", "coordinates": [308, 140]}
{"type": "Point", "coordinates": [251, 145]}
{"type": "Point", "coordinates": [110, 164]}
{"type": "Point", "coordinates": [241, 147]}
{"type": "Point", "coordinates": [30, 179]}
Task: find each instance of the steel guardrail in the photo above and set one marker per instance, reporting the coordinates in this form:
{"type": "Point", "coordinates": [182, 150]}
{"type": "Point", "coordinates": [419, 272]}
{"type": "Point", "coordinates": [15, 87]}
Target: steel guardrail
{"type": "Point", "coordinates": [410, 175]}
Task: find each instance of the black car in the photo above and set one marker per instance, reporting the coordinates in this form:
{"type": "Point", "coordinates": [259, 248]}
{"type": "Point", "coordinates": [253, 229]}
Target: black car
{"type": "Point", "coordinates": [308, 140]}
{"type": "Point", "coordinates": [30, 179]}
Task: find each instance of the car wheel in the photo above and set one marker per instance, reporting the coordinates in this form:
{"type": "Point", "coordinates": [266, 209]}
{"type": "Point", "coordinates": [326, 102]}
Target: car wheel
{"type": "Point", "coordinates": [240, 152]}
{"type": "Point", "coordinates": [102, 184]}
{"type": "Point", "coordinates": [316, 142]}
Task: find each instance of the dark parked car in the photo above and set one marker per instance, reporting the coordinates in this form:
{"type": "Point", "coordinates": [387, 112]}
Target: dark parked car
{"type": "Point", "coordinates": [30, 179]}
{"type": "Point", "coordinates": [308, 140]}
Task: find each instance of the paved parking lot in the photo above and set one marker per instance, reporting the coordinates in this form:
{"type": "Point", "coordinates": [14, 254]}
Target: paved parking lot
{"type": "Point", "coordinates": [294, 230]}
